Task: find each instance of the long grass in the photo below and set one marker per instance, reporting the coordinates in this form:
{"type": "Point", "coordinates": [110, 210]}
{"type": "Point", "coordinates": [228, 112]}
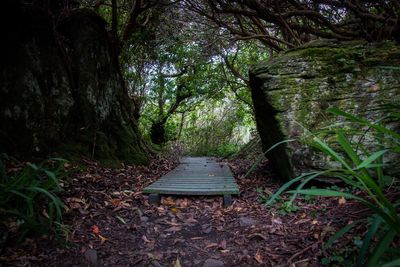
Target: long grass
{"type": "Point", "coordinates": [29, 201]}
{"type": "Point", "coordinates": [363, 169]}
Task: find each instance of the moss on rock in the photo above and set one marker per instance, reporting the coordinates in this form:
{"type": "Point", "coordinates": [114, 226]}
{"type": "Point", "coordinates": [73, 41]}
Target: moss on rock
{"type": "Point", "coordinates": [301, 84]}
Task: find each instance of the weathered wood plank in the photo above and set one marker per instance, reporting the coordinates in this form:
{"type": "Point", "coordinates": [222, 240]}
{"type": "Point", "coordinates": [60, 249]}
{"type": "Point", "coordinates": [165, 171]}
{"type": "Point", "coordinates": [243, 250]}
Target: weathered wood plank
{"type": "Point", "coordinates": [191, 192]}
{"type": "Point", "coordinates": [196, 176]}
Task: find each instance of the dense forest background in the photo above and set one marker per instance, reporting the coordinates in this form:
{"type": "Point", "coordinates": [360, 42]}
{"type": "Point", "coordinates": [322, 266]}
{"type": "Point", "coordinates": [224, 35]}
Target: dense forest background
{"type": "Point", "coordinates": [301, 95]}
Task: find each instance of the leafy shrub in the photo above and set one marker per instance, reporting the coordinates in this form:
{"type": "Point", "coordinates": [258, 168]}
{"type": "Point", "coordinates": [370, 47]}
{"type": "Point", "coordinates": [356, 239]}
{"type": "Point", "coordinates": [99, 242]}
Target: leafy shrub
{"type": "Point", "coordinates": [362, 169]}
{"type": "Point", "coordinates": [29, 201]}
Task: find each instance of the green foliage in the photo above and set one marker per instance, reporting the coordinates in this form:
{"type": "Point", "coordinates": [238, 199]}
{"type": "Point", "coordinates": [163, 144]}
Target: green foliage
{"type": "Point", "coordinates": [216, 128]}
{"type": "Point", "coordinates": [29, 201]}
{"type": "Point", "coordinates": [362, 169]}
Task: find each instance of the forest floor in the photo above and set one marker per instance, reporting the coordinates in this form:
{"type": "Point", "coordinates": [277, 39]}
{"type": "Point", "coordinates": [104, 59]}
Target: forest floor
{"type": "Point", "coordinates": [111, 223]}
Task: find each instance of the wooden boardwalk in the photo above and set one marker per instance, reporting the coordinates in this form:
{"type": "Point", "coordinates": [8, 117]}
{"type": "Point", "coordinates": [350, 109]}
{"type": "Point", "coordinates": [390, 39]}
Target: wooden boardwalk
{"type": "Point", "coordinates": [195, 176]}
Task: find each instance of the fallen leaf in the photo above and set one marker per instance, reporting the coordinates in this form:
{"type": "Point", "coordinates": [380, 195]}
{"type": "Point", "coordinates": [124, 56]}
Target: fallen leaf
{"type": "Point", "coordinates": [95, 229]}
{"type": "Point", "coordinates": [212, 245]}
{"type": "Point", "coordinates": [44, 212]}
{"type": "Point", "coordinates": [172, 223]}
{"type": "Point", "coordinates": [174, 210]}
{"type": "Point", "coordinates": [115, 202]}
{"type": "Point", "coordinates": [258, 257]}
{"type": "Point", "coordinates": [302, 264]}
{"type": "Point", "coordinates": [145, 239]}
{"type": "Point", "coordinates": [102, 239]}
{"type": "Point", "coordinates": [173, 229]}
{"type": "Point", "coordinates": [121, 219]}
{"type": "Point", "coordinates": [302, 221]}
{"type": "Point", "coordinates": [191, 220]}
{"type": "Point", "coordinates": [177, 263]}
{"type": "Point", "coordinates": [156, 255]}
{"type": "Point", "coordinates": [75, 199]}
{"type": "Point", "coordinates": [74, 205]}
{"type": "Point", "coordinates": [342, 201]}
{"type": "Point", "coordinates": [184, 203]}
{"type": "Point", "coordinates": [223, 244]}
{"type": "Point", "coordinates": [67, 165]}
{"type": "Point", "coordinates": [277, 221]}
{"type": "Point", "coordinates": [258, 235]}
{"type": "Point", "coordinates": [168, 201]}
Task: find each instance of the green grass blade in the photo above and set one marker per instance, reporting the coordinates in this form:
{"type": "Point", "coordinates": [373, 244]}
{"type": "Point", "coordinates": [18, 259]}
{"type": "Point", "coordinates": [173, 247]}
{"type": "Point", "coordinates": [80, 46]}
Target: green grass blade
{"type": "Point", "coordinates": [392, 222]}
{"type": "Point", "coordinates": [353, 118]}
{"type": "Point", "coordinates": [394, 263]}
{"type": "Point", "coordinates": [367, 240]}
{"type": "Point", "coordinates": [53, 178]}
{"type": "Point", "coordinates": [345, 144]}
{"type": "Point", "coordinates": [253, 167]}
{"type": "Point", "coordinates": [33, 166]}
{"type": "Point", "coordinates": [306, 180]}
{"type": "Point", "coordinates": [380, 248]}
{"type": "Point", "coordinates": [327, 193]}
{"type": "Point", "coordinates": [57, 202]}
{"type": "Point", "coordinates": [286, 186]}
{"type": "Point", "coordinates": [24, 196]}
{"type": "Point", "coordinates": [339, 234]}
{"type": "Point", "coordinates": [368, 161]}
{"type": "Point", "coordinates": [329, 151]}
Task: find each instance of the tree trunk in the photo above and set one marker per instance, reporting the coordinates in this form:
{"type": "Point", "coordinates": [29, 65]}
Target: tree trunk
{"type": "Point", "coordinates": [62, 92]}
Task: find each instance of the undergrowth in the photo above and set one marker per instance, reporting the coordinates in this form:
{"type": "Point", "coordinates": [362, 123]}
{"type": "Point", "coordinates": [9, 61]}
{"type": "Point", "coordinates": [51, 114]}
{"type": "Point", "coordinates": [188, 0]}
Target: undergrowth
{"type": "Point", "coordinates": [29, 201]}
{"type": "Point", "coordinates": [363, 168]}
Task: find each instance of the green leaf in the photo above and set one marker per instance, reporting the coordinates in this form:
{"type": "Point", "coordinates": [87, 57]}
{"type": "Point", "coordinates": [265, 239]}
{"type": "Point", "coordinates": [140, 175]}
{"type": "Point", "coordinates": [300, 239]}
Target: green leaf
{"type": "Point", "coordinates": [264, 154]}
{"type": "Point", "coordinates": [330, 152]}
{"type": "Point", "coordinates": [57, 202]}
{"type": "Point", "coordinates": [339, 234]}
{"type": "Point", "coordinates": [380, 248]}
{"type": "Point", "coordinates": [371, 159]}
{"type": "Point", "coordinates": [377, 127]}
{"type": "Point", "coordinates": [367, 240]}
{"type": "Point", "coordinates": [345, 144]}
{"type": "Point", "coordinates": [286, 186]}
{"type": "Point", "coordinates": [392, 263]}
{"type": "Point", "coordinates": [306, 180]}
{"type": "Point", "coordinates": [33, 166]}
{"type": "Point", "coordinates": [327, 193]}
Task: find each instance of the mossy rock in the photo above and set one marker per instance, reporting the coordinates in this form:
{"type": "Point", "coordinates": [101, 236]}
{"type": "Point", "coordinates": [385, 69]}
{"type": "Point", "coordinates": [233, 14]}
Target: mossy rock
{"type": "Point", "coordinates": [292, 91]}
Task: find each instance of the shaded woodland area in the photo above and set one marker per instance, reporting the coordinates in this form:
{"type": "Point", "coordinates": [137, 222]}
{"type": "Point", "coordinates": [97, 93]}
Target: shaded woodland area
{"type": "Point", "coordinates": [100, 98]}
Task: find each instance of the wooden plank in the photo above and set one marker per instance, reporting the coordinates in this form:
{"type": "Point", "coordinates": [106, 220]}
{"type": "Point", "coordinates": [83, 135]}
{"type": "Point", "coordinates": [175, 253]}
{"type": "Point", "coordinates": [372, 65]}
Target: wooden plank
{"type": "Point", "coordinates": [191, 192]}
{"type": "Point", "coordinates": [191, 184]}
{"type": "Point", "coordinates": [196, 181]}
{"type": "Point", "coordinates": [196, 176]}
{"type": "Point", "coordinates": [192, 187]}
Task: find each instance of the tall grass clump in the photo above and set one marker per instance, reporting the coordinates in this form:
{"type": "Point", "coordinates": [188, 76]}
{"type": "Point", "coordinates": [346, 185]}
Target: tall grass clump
{"type": "Point", "coordinates": [362, 164]}
{"type": "Point", "coordinates": [29, 201]}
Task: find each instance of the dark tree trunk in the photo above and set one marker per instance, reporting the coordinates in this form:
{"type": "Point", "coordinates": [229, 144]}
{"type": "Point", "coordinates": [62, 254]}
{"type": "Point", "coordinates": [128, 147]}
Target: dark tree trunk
{"type": "Point", "coordinates": [61, 91]}
{"type": "Point", "coordinates": [158, 133]}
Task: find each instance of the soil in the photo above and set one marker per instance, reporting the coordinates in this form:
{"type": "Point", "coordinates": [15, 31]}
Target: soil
{"type": "Point", "coordinates": [111, 223]}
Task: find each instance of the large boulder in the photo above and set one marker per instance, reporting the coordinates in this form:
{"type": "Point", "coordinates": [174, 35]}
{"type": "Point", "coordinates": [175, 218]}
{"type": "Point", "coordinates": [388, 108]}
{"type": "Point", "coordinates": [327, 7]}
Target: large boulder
{"type": "Point", "coordinates": [61, 90]}
{"type": "Point", "coordinates": [292, 91]}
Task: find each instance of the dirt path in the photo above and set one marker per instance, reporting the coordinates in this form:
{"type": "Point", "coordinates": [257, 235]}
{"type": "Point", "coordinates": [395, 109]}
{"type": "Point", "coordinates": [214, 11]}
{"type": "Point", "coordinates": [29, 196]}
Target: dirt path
{"type": "Point", "coordinates": [112, 224]}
